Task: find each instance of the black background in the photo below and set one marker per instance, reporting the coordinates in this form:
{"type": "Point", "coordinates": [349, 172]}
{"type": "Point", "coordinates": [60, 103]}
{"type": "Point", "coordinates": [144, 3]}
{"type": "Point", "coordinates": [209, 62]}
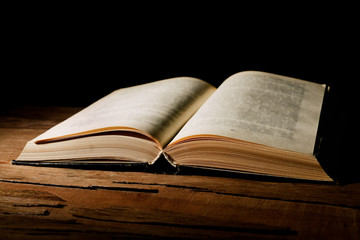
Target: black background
{"type": "Point", "coordinates": [74, 55]}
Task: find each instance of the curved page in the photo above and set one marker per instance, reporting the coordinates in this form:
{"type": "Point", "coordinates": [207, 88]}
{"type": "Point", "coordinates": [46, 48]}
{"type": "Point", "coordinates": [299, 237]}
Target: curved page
{"type": "Point", "coordinates": [158, 109]}
{"type": "Point", "coordinates": [263, 108]}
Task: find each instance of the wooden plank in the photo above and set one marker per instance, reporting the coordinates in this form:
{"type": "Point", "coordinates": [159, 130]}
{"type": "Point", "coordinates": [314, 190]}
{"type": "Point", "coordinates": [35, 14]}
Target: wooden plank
{"type": "Point", "coordinates": [41, 202]}
{"type": "Point", "coordinates": [336, 195]}
{"type": "Point", "coordinates": [187, 213]}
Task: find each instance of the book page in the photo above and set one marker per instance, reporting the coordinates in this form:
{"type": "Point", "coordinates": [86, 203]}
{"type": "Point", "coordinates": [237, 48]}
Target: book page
{"type": "Point", "coordinates": [160, 109]}
{"type": "Point", "coordinates": [263, 108]}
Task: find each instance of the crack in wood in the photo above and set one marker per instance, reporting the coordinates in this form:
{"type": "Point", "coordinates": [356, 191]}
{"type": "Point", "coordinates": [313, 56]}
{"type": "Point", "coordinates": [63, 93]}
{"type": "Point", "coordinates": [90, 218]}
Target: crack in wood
{"type": "Point", "coordinates": [163, 185]}
{"type": "Point", "coordinates": [267, 230]}
{"type": "Point", "coordinates": [207, 190]}
{"type": "Point", "coordinates": [283, 199]}
{"type": "Point", "coordinates": [89, 232]}
{"type": "Point", "coordinates": [92, 187]}
{"type": "Point", "coordinates": [42, 213]}
{"type": "Point", "coordinates": [40, 205]}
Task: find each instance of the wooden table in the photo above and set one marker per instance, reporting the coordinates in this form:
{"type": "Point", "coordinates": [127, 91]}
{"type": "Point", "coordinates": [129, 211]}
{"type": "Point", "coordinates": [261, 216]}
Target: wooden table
{"type": "Point", "coordinates": [60, 203]}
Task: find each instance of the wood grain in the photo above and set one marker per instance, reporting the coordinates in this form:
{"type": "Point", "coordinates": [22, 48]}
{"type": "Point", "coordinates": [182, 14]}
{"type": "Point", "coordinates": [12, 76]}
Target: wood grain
{"type": "Point", "coordinates": [62, 203]}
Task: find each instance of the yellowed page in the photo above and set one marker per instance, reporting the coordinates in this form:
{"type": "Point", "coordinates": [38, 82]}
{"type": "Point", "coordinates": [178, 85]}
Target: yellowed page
{"type": "Point", "coordinates": [160, 109]}
{"type": "Point", "coordinates": [264, 108]}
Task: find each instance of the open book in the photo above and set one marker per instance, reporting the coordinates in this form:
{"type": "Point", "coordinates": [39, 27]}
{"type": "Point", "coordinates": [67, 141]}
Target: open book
{"type": "Point", "coordinates": [255, 122]}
